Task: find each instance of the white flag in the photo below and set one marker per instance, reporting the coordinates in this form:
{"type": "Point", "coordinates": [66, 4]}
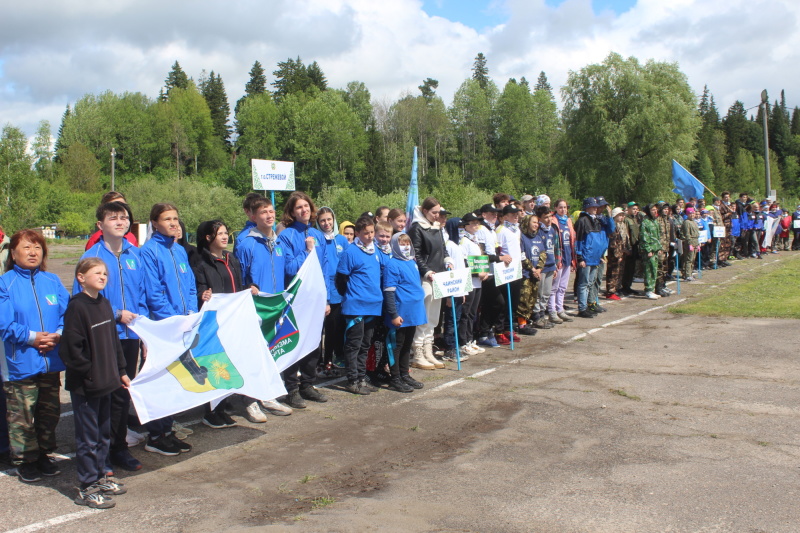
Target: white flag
{"type": "Point", "coordinates": [204, 357]}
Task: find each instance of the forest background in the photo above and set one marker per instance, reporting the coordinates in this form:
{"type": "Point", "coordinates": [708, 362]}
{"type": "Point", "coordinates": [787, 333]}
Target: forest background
{"type": "Point", "coordinates": [621, 123]}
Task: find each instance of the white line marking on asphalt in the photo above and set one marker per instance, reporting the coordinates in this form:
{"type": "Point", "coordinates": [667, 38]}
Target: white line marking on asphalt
{"type": "Point", "coordinates": [66, 413]}
{"type": "Point", "coordinates": [483, 372]}
{"type": "Point", "coordinates": [57, 521]}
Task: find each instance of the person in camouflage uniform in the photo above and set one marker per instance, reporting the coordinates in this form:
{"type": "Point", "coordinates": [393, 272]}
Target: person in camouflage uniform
{"type": "Point", "coordinates": [619, 248]}
{"type": "Point", "coordinates": [727, 213]}
{"type": "Point", "coordinates": [633, 263]}
{"type": "Point", "coordinates": [666, 236]}
{"type": "Point", "coordinates": [650, 247]}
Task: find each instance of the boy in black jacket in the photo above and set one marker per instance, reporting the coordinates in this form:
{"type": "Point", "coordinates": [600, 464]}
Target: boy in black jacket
{"type": "Point", "coordinates": [92, 353]}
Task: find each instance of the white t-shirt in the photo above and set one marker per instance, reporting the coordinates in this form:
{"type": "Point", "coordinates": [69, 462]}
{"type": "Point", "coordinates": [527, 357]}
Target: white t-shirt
{"type": "Point", "coordinates": [510, 243]}
{"type": "Point", "coordinates": [470, 248]}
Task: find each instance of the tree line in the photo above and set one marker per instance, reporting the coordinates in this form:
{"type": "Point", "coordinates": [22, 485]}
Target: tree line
{"type": "Point", "coordinates": [622, 122]}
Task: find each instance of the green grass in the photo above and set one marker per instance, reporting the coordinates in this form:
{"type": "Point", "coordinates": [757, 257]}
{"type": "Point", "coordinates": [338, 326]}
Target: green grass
{"type": "Point", "coordinates": [621, 392]}
{"type": "Point", "coordinates": [764, 293]}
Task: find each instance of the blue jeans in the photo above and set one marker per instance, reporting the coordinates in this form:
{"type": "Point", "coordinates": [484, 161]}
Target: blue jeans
{"type": "Point", "coordinates": [586, 278]}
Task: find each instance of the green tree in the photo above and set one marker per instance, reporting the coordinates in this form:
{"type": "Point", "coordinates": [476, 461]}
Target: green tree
{"type": "Point", "coordinates": [257, 84]}
{"type": "Point", "coordinates": [542, 84]}
{"type": "Point", "coordinates": [480, 72]}
{"type": "Point", "coordinates": [258, 121]}
{"type": "Point", "coordinates": [358, 98]}
{"type": "Point", "coordinates": [316, 77]}
{"type": "Point", "coordinates": [57, 149]}
{"type": "Point", "coordinates": [176, 79]}
{"type": "Point", "coordinates": [428, 88]}
{"type": "Point", "coordinates": [81, 168]}
{"type": "Point", "coordinates": [624, 123]}
{"type": "Point", "coordinates": [291, 77]}
{"type": "Point", "coordinates": [17, 179]}
{"type": "Point", "coordinates": [472, 118]}
{"type": "Point", "coordinates": [42, 153]}
{"type": "Point", "coordinates": [213, 90]}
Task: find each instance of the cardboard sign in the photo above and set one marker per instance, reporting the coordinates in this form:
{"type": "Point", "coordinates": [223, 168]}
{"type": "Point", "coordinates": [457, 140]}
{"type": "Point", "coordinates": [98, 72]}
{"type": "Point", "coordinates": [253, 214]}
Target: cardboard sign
{"type": "Point", "coordinates": [452, 283]}
{"type": "Point", "coordinates": [719, 232]}
{"type": "Point", "coordinates": [504, 274]}
{"type": "Point", "coordinates": [478, 263]}
{"type": "Point", "coordinates": [703, 237]}
{"type": "Point", "coordinates": [272, 175]}
{"type": "Point", "coordinates": [796, 224]}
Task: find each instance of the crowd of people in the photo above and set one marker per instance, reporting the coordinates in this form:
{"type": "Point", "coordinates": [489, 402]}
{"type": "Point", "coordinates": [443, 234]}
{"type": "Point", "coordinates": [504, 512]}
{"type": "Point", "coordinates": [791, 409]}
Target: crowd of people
{"type": "Point", "coordinates": [381, 316]}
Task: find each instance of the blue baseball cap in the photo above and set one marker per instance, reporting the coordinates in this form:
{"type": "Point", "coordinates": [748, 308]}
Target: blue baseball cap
{"type": "Point", "coordinates": [590, 202]}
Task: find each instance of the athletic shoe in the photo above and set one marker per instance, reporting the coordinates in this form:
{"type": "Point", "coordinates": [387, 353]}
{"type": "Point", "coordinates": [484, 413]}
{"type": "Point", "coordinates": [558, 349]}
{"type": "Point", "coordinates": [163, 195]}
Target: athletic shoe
{"type": "Point", "coordinates": [125, 460]}
{"type": "Point", "coordinates": [502, 339]}
{"type": "Point", "coordinates": [93, 498]}
{"type": "Point", "coordinates": [47, 465]}
{"type": "Point", "coordinates": [477, 348]}
{"type": "Point", "coordinates": [687, 280]}
{"type": "Point", "coordinates": [543, 323]}
{"type": "Point", "coordinates": [565, 317]}
{"type": "Point", "coordinates": [368, 386]}
{"type": "Point", "coordinates": [111, 486]}
{"type": "Point", "coordinates": [180, 435]}
{"type": "Point", "coordinates": [450, 355]}
{"type": "Point", "coordinates": [664, 293]}
{"type": "Point", "coordinates": [134, 438]}
{"type": "Point", "coordinates": [397, 384]}
{"type": "Point", "coordinates": [294, 400]}
{"type": "Point", "coordinates": [586, 313]}
{"type": "Point", "coordinates": [527, 329]}
{"type": "Point", "coordinates": [355, 388]}
{"type": "Point", "coordinates": [252, 413]}
{"type": "Point", "coordinates": [177, 426]}
{"type": "Point", "coordinates": [467, 349]}
{"type": "Point", "coordinates": [276, 408]}
{"type": "Point", "coordinates": [183, 447]}
{"type": "Point", "coordinates": [229, 422]}
{"type": "Point", "coordinates": [613, 296]}
{"type": "Point", "coordinates": [516, 337]}
{"type": "Point", "coordinates": [163, 445]}
{"type": "Point", "coordinates": [312, 394]}
{"type": "Point", "coordinates": [651, 296]}
{"type": "Point", "coordinates": [29, 473]}
{"type": "Point", "coordinates": [597, 309]}
{"type": "Point", "coordinates": [215, 420]}
{"type": "Point", "coordinates": [488, 341]}
{"type": "Point", "coordinates": [411, 381]}
{"type": "Point", "coordinates": [553, 318]}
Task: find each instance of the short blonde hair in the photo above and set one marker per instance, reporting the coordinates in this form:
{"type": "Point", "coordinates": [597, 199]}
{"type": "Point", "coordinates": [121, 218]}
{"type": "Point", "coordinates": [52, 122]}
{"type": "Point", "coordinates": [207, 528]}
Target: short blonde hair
{"type": "Point", "coordinates": [88, 263]}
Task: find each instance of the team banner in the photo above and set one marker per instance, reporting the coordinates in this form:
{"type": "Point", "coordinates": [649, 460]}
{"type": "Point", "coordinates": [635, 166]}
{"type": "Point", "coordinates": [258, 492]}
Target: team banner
{"type": "Point", "coordinates": [478, 263]}
{"type": "Point", "coordinates": [504, 274]}
{"type": "Point", "coordinates": [203, 357]}
{"type": "Point", "coordinates": [291, 322]}
{"type": "Point", "coordinates": [452, 283]}
{"type": "Point", "coordinates": [272, 175]}
{"type": "Point", "coordinates": [770, 226]}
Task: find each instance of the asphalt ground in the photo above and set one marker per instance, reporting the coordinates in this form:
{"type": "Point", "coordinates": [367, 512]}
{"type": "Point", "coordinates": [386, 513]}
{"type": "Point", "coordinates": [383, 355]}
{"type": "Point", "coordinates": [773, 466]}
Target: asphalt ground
{"type": "Point", "coordinates": [637, 420]}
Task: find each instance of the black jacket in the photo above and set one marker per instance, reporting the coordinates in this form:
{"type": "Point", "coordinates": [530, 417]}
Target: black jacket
{"type": "Point", "coordinates": [220, 275]}
{"type": "Point", "coordinates": [428, 241]}
{"type": "Point", "coordinates": [90, 347]}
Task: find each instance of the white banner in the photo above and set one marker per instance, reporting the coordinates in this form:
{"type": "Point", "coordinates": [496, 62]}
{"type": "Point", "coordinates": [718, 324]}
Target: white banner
{"type": "Point", "coordinates": [452, 283]}
{"type": "Point", "coordinates": [203, 357]}
{"type": "Point", "coordinates": [272, 175]}
{"type": "Point", "coordinates": [504, 274]}
{"type": "Point", "coordinates": [719, 232]}
{"type": "Point", "coordinates": [770, 225]}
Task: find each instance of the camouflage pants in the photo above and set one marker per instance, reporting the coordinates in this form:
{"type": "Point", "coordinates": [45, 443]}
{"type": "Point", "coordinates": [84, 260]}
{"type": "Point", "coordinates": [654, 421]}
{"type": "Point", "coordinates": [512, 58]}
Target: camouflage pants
{"type": "Point", "coordinates": [615, 268]}
{"type": "Point", "coordinates": [32, 411]}
{"type": "Point", "coordinates": [661, 273]}
{"type": "Point", "coordinates": [650, 272]}
{"type": "Point", "coordinates": [528, 297]}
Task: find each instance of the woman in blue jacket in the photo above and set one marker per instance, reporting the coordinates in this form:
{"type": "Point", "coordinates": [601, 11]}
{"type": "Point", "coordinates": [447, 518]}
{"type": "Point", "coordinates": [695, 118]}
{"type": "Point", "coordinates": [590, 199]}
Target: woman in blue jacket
{"type": "Point", "coordinates": [32, 305]}
{"type": "Point", "coordinates": [334, 245]}
{"type": "Point", "coordinates": [298, 240]}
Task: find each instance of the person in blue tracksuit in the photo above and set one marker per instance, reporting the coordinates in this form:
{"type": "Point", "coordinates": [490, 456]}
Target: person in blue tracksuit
{"type": "Point", "coordinates": [259, 252]}
{"type": "Point", "coordinates": [247, 207]}
{"type": "Point", "coordinates": [170, 291]}
{"type": "Point", "coordinates": [334, 245]}
{"type": "Point", "coordinates": [299, 239]}
{"type": "Point", "coordinates": [32, 305]}
{"type": "Point", "coordinates": [125, 291]}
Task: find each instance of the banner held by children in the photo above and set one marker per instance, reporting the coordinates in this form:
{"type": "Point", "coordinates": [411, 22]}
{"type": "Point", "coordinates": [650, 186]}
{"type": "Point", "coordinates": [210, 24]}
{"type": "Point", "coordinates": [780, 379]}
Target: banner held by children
{"type": "Point", "coordinates": [203, 357]}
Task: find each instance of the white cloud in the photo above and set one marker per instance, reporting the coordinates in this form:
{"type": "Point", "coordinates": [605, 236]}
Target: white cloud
{"type": "Point", "coordinates": [50, 56]}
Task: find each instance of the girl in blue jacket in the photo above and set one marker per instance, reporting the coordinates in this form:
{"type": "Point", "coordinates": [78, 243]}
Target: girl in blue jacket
{"type": "Point", "coordinates": [334, 245]}
{"type": "Point", "coordinates": [32, 305]}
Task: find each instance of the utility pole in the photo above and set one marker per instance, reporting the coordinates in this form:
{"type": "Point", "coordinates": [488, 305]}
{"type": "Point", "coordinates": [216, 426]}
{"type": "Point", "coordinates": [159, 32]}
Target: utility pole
{"type": "Point", "coordinates": [764, 103]}
{"type": "Point", "coordinates": [113, 166]}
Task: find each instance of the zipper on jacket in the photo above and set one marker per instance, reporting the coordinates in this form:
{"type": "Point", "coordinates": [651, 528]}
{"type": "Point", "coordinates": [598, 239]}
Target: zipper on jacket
{"type": "Point", "coordinates": [178, 279]}
{"type": "Point", "coordinates": [233, 280]}
{"type": "Point", "coordinates": [122, 289]}
{"type": "Point", "coordinates": [41, 319]}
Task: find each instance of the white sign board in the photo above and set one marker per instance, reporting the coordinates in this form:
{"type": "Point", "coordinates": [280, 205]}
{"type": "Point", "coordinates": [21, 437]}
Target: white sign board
{"type": "Point", "coordinates": [272, 175]}
{"type": "Point", "coordinates": [719, 232]}
{"type": "Point", "coordinates": [504, 274]}
{"type": "Point", "coordinates": [702, 238]}
{"type": "Point", "coordinates": [452, 283]}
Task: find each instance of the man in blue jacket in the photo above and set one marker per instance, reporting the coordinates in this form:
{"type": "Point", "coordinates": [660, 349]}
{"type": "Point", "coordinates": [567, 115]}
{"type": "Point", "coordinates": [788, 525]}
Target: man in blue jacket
{"type": "Point", "coordinates": [591, 242]}
{"type": "Point", "coordinates": [259, 252]}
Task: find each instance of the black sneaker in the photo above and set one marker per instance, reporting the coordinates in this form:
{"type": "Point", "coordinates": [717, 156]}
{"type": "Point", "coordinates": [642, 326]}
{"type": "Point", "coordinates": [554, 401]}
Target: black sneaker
{"type": "Point", "coordinates": [94, 498]}
{"type": "Point", "coordinates": [163, 445]}
{"type": "Point", "coordinates": [411, 381]}
{"type": "Point", "coordinates": [367, 385]}
{"type": "Point", "coordinates": [397, 384]}
{"type": "Point", "coordinates": [597, 309]}
{"type": "Point", "coordinates": [355, 388]}
{"type": "Point", "coordinates": [586, 313]}
{"type": "Point", "coordinates": [527, 330]}
{"type": "Point", "coordinates": [214, 420]}
{"type": "Point", "coordinates": [312, 394]}
{"type": "Point", "coordinates": [294, 400]}
{"type": "Point", "coordinates": [229, 421]}
{"type": "Point", "coordinates": [47, 465]}
{"type": "Point", "coordinates": [182, 446]}
{"type": "Point", "coordinates": [29, 473]}
{"type": "Point", "coordinates": [111, 486]}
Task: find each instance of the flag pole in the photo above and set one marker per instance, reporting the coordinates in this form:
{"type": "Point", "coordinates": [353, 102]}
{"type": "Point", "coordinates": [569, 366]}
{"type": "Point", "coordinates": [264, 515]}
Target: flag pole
{"type": "Point", "coordinates": [455, 332]}
{"type": "Point", "coordinates": [510, 317]}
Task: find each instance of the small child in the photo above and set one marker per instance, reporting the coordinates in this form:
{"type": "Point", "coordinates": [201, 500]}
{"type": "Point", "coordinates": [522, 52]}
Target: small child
{"type": "Point", "coordinates": [377, 363]}
{"type": "Point", "coordinates": [552, 249]}
{"type": "Point", "coordinates": [532, 263]}
{"type": "Point", "coordinates": [358, 279]}
{"type": "Point", "coordinates": [403, 310]}
{"type": "Point", "coordinates": [92, 353]}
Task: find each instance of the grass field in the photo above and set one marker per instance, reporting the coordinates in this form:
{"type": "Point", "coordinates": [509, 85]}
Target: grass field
{"type": "Point", "coordinates": [771, 292]}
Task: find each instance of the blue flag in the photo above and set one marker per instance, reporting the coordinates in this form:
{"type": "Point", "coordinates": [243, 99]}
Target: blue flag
{"type": "Point", "coordinates": [413, 193]}
{"type": "Point", "coordinates": [685, 184]}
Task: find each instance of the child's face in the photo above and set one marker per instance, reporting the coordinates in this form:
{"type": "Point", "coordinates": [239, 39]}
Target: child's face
{"type": "Point", "coordinates": [167, 224]}
{"type": "Point", "coordinates": [349, 233]}
{"type": "Point", "coordinates": [221, 239]}
{"type": "Point", "coordinates": [533, 225]}
{"type": "Point", "coordinates": [399, 223]}
{"type": "Point", "coordinates": [114, 224]}
{"type": "Point", "coordinates": [94, 279]}
{"type": "Point", "coordinates": [264, 218]}
{"type": "Point", "coordinates": [367, 235]}
{"type": "Point", "coordinates": [301, 211]}
{"type": "Point", "coordinates": [472, 227]}
{"type": "Point", "coordinates": [511, 218]}
{"type": "Point", "coordinates": [383, 237]}
{"type": "Point", "coordinates": [618, 219]}
{"type": "Point", "coordinates": [325, 222]}
{"type": "Point", "coordinates": [545, 219]}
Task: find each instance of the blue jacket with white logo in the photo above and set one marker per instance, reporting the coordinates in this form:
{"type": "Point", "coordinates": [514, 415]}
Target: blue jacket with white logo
{"type": "Point", "coordinates": [293, 239]}
{"type": "Point", "coordinates": [333, 249]}
{"type": "Point", "coordinates": [125, 288]}
{"type": "Point", "coordinates": [169, 281]}
{"type": "Point", "coordinates": [30, 301]}
{"type": "Point", "coordinates": [263, 262]}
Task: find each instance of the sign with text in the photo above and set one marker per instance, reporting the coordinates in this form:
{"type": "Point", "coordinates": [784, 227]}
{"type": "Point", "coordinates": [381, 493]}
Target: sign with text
{"type": "Point", "coordinates": [478, 263]}
{"type": "Point", "coordinates": [452, 283]}
{"type": "Point", "coordinates": [719, 232]}
{"type": "Point", "coordinates": [504, 274]}
{"type": "Point", "coordinates": [702, 238]}
{"type": "Point", "coordinates": [272, 175]}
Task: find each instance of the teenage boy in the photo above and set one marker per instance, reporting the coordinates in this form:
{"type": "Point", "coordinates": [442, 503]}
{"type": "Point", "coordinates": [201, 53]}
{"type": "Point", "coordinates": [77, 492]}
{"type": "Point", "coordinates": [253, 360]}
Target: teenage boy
{"type": "Point", "coordinates": [691, 233]}
{"type": "Point", "coordinates": [125, 291]}
{"type": "Point", "coordinates": [549, 235]}
{"type": "Point", "coordinates": [358, 279]}
{"type": "Point", "coordinates": [508, 240]}
{"type": "Point", "coordinates": [491, 302]}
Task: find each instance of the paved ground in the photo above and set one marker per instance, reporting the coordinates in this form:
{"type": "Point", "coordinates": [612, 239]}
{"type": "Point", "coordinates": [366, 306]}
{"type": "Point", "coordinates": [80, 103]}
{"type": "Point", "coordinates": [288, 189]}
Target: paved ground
{"type": "Point", "coordinates": [656, 422]}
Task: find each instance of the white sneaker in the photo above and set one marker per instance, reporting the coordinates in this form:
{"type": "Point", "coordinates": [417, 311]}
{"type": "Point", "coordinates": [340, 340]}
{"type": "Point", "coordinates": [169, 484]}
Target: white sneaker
{"type": "Point", "coordinates": [254, 414]}
{"type": "Point", "coordinates": [134, 438]}
{"type": "Point", "coordinates": [274, 407]}
{"type": "Point", "coordinates": [467, 349]}
{"type": "Point", "coordinates": [478, 349]}
{"type": "Point", "coordinates": [651, 296]}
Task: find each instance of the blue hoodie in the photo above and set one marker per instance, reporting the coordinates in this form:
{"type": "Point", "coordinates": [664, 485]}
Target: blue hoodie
{"type": "Point", "coordinates": [30, 301]}
{"type": "Point", "coordinates": [293, 240]}
{"type": "Point", "coordinates": [125, 288]}
{"type": "Point", "coordinates": [591, 237]}
{"type": "Point", "coordinates": [169, 280]}
{"type": "Point", "coordinates": [262, 262]}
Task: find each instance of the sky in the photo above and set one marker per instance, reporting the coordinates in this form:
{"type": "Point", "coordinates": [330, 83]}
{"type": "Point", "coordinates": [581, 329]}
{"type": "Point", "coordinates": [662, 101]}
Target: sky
{"type": "Point", "coordinates": [53, 52]}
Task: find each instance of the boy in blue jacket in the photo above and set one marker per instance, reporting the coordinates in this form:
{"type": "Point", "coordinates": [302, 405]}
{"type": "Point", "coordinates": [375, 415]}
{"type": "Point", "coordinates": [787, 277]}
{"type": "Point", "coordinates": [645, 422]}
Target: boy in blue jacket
{"type": "Point", "coordinates": [259, 252]}
{"type": "Point", "coordinates": [125, 291]}
{"type": "Point", "coordinates": [358, 278]}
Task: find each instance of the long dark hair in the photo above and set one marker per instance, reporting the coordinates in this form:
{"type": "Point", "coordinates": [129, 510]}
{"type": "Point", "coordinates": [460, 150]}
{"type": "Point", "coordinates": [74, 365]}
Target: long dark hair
{"type": "Point", "coordinates": [207, 229]}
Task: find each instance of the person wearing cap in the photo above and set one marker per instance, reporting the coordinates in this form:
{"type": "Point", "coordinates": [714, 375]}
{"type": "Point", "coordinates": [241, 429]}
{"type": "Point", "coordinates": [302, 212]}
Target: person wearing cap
{"type": "Point", "coordinates": [619, 248]}
{"type": "Point", "coordinates": [632, 262]}
{"type": "Point", "coordinates": [782, 240]}
{"type": "Point", "coordinates": [691, 245]}
{"type": "Point", "coordinates": [650, 248]}
{"type": "Point", "coordinates": [528, 204]}
{"type": "Point", "coordinates": [548, 234]}
{"type": "Point", "coordinates": [608, 225]}
{"type": "Point", "coordinates": [468, 228]}
{"type": "Point", "coordinates": [666, 260]}
{"type": "Point", "coordinates": [706, 224]}
{"type": "Point", "coordinates": [726, 211]}
{"type": "Point", "coordinates": [591, 243]}
{"type": "Point", "coordinates": [543, 199]}
{"type": "Point", "coordinates": [508, 240]}
{"type": "Point", "coordinates": [491, 301]}
{"type": "Point", "coordinates": [715, 243]}
{"type": "Point", "coordinates": [443, 213]}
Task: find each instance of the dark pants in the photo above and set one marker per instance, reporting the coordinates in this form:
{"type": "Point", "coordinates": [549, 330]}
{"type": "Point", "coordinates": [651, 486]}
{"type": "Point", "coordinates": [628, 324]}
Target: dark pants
{"type": "Point", "coordinates": [3, 423]}
{"type": "Point", "coordinates": [357, 340]}
{"type": "Point", "coordinates": [492, 302]}
{"type": "Point", "coordinates": [334, 334]}
{"type": "Point", "coordinates": [157, 428]}
{"type": "Point", "coordinates": [796, 240]}
{"type": "Point", "coordinates": [307, 367]}
{"type": "Point", "coordinates": [121, 398]}
{"type": "Point", "coordinates": [629, 268]}
{"type": "Point", "coordinates": [516, 289]}
{"type": "Point", "coordinates": [469, 312]}
{"type": "Point", "coordinates": [32, 411]}
{"type": "Point", "coordinates": [92, 418]}
{"type": "Point", "coordinates": [449, 325]}
{"type": "Point", "coordinates": [403, 340]}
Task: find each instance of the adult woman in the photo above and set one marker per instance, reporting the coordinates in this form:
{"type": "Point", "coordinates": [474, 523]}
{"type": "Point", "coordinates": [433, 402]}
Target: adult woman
{"type": "Point", "coordinates": [32, 305]}
{"type": "Point", "coordinates": [298, 240]}
{"type": "Point", "coordinates": [431, 256]}
{"type": "Point", "coordinates": [334, 245]}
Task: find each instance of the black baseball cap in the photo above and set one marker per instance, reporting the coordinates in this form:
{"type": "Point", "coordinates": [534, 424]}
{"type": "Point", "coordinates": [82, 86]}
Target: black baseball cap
{"type": "Point", "coordinates": [511, 208]}
{"type": "Point", "coordinates": [489, 208]}
{"type": "Point", "coordinates": [469, 217]}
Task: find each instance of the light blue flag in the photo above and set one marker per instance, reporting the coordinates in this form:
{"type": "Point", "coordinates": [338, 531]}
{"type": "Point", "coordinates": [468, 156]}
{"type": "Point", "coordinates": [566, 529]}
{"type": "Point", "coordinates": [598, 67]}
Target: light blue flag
{"type": "Point", "coordinates": [685, 184]}
{"type": "Point", "coordinates": [413, 192]}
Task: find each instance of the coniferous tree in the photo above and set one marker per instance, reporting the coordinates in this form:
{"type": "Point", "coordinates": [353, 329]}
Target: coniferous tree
{"type": "Point", "coordinates": [213, 90]}
{"type": "Point", "coordinates": [290, 77]}
{"type": "Point", "coordinates": [59, 147]}
{"type": "Point", "coordinates": [524, 82]}
{"type": "Point", "coordinates": [316, 77]}
{"type": "Point", "coordinates": [480, 72]}
{"type": "Point", "coordinates": [542, 83]}
{"type": "Point", "coordinates": [428, 88]}
{"type": "Point", "coordinates": [257, 84]}
{"type": "Point", "coordinates": [796, 121]}
{"type": "Point", "coordinates": [176, 78]}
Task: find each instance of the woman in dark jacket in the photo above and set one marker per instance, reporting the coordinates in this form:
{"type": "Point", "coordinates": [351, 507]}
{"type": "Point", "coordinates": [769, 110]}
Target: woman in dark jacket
{"type": "Point", "coordinates": [431, 256]}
